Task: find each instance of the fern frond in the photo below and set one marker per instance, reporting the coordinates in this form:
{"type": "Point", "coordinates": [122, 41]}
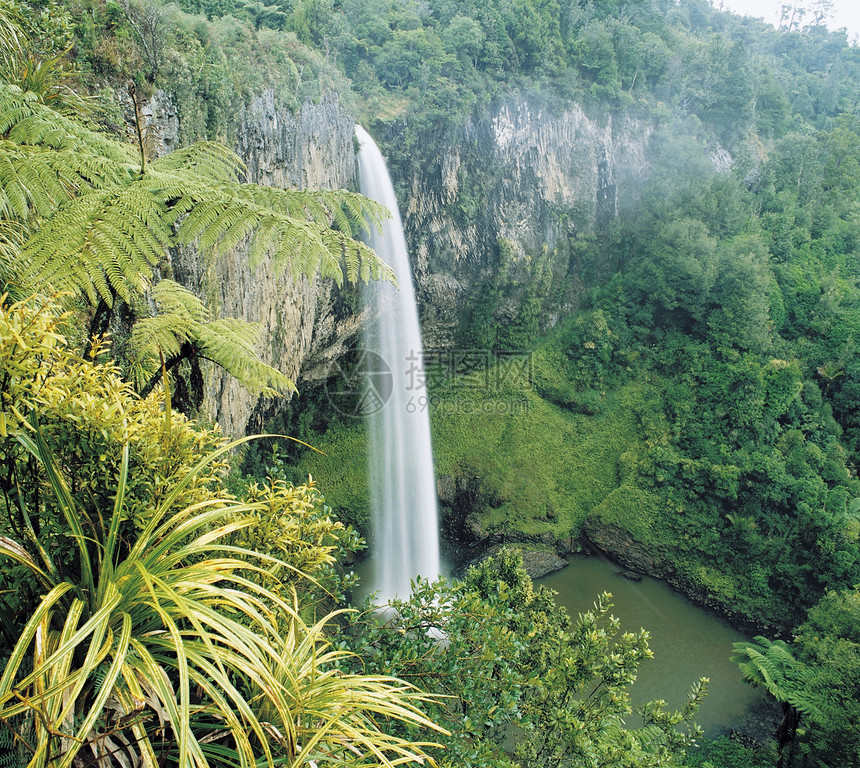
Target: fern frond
{"type": "Point", "coordinates": [40, 179]}
{"type": "Point", "coordinates": [230, 342]}
{"type": "Point", "coordinates": [178, 315]}
{"type": "Point", "coordinates": [15, 106]}
{"type": "Point", "coordinates": [264, 241]}
{"type": "Point", "coordinates": [356, 210]}
{"type": "Point", "coordinates": [772, 665]}
{"type": "Point", "coordinates": [805, 706]}
{"type": "Point", "coordinates": [26, 121]}
{"type": "Point", "coordinates": [12, 235]}
{"type": "Point", "coordinates": [348, 211]}
{"type": "Point", "coordinates": [175, 299]}
{"type": "Point", "coordinates": [219, 225]}
{"type": "Point", "coordinates": [13, 194]}
{"type": "Point", "coordinates": [160, 333]}
{"type": "Point", "coordinates": [205, 160]}
{"type": "Point", "coordinates": [293, 228]}
{"type": "Point", "coordinates": [149, 336]}
{"type": "Point", "coordinates": [46, 159]}
{"type": "Point", "coordinates": [182, 318]}
{"type": "Point", "coordinates": [99, 244]}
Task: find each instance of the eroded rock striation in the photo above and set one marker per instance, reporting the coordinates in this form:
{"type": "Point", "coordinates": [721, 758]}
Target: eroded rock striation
{"type": "Point", "coordinates": [527, 174]}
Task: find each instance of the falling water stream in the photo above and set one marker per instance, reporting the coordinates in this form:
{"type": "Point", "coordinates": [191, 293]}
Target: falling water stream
{"type": "Point", "coordinates": [402, 485]}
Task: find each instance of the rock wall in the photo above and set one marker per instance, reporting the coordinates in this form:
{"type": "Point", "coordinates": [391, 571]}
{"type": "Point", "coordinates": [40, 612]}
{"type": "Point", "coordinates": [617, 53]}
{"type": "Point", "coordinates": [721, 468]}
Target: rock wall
{"type": "Point", "coordinates": [305, 321]}
{"type": "Point", "coordinates": [522, 172]}
{"type": "Point", "coordinates": [526, 173]}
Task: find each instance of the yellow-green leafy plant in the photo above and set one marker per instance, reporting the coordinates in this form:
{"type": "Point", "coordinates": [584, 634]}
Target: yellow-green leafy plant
{"type": "Point", "coordinates": [150, 635]}
{"type": "Point", "coordinates": [292, 523]}
{"type": "Point", "coordinates": [337, 715]}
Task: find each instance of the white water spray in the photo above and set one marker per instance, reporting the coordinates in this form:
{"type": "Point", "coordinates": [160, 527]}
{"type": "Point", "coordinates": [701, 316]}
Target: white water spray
{"type": "Point", "coordinates": [402, 485]}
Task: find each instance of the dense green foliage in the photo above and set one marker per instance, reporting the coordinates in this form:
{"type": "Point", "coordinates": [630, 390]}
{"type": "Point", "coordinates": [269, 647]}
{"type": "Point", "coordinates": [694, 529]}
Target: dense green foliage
{"type": "Point", "coordinates": [815, 680]}
{"type": "Point", "coordinates": [443, 58]}
{"type": "Point", "coordinates": [828, 642]}
{"type": "Point", "coordinates": [725, 752]}
{"type": "Point", "coordinates": [517, 675]}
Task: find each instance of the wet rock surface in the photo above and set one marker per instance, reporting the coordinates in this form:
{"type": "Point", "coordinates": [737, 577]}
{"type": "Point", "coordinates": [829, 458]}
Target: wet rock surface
{"type": "Point", "coordinates": [541, 563]}
{"type": "Point", "coordinates": [625, 549]}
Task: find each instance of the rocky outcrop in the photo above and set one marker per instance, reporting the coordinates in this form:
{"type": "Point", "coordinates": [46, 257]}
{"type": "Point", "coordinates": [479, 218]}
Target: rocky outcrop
{"type": "Point", "coordinates": [625, 549]}
{"type": "Point", "coordinates": [539, 563]}
{"type": "Point", "coordinates": [465, 539]}
{"type": "Point", "coordinates": [637, 558]}
{"type": "Point", "coordinates": [304, 321]}
{"type": "Point", "coordinates": [529, 174]}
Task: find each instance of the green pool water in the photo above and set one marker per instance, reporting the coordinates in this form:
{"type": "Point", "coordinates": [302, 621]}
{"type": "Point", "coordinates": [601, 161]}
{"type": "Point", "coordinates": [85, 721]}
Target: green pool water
{"type": "Point", "coordinates": [688, 642]}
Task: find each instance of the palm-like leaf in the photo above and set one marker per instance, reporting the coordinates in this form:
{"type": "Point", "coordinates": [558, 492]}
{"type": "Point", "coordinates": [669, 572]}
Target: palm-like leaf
{"type": "Point", "coordinates": [183, 319]}
{"type": "Point", "coordinates": [771, 665]}
{"type": "Point", "coordinates": [104, 225]}
{"type": "Point", "coordinates": [174, 628]}
{"type": "Point", "coordinates": [334, 713]}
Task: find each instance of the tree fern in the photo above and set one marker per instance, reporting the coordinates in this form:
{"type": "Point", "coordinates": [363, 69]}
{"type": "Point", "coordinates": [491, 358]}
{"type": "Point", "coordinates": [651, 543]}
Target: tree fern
{"type": "Point", "coordinates": [772, 665]}
{"type": "Point", "coordinates": [95, 219]}
{"type": "Point", "coordinates": [181, 319]}
{"type": "Point", "coordinates": [105, 225]}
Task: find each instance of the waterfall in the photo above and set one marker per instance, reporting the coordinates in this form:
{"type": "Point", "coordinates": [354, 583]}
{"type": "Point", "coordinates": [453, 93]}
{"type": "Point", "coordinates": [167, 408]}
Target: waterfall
{"type": "Point", "coordinates": [402, 485]}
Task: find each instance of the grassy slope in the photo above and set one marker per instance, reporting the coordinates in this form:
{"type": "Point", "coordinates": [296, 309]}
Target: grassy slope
{"type": "Point", "coordinates": [541, 467]}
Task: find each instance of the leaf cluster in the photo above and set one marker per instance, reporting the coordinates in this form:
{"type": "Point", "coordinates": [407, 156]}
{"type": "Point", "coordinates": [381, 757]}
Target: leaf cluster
{"type": "Point", "coordinates": [506, 657]}
{"type": "Point", "coordinates": [144, 615]}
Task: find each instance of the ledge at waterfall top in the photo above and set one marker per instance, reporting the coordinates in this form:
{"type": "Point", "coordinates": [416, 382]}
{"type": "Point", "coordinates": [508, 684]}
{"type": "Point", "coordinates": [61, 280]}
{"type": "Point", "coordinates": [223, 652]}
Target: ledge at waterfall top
{"type": "Point", "coordinates": [402, 486]}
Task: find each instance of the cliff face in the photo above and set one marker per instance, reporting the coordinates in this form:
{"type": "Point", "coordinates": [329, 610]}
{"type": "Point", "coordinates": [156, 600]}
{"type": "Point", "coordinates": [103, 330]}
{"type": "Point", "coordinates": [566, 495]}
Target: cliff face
{"type": "Point", "coordinates": [304, 323]}
{"type": "Point", "coordinates": [523, 173]}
